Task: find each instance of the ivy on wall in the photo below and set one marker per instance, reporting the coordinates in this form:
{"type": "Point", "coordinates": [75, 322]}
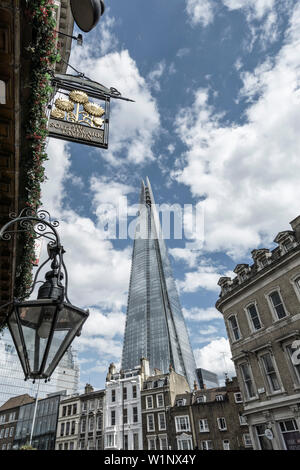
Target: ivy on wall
{"type": "Point", "coordinates": [44, 54]}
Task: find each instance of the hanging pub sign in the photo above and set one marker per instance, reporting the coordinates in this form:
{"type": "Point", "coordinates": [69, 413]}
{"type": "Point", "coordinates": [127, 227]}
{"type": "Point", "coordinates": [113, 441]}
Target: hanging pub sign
{"type": "Point", "coordinates": [79, 110]}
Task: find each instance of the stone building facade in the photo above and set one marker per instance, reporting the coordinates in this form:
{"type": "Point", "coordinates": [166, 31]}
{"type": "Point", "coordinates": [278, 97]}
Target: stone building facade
{"type": "Point", "coordinates": [9, 414]}
{"type": "Point", "coordinates": [68, 424]}
{"type": "Point", "coordinates": [123, 418]}
{"type": "Point", "coordinates": [261, 310]}
{"type": "Point", "coordinates": [210, 419]}
{"type": "Point", "coordinates": [157, 397]}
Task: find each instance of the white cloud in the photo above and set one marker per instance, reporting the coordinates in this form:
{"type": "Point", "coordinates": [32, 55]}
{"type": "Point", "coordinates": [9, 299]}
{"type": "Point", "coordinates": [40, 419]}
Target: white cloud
{"type": "Point", "coordinates": [205, 277]}
{"type": "Point", "coordinates": [198, 314]}
{"type": "Point", "coordinates": [216, 357]}
{"type": "Point", "coordinates": [104, 324]}
{"type": "Point", "coordinates": [200, 11]}
{"type": "Point", "coordinates": [133, 126]}
{"type": "Point", "coordinates": [156, 74]}
{"type": "Point", "coordinates": [247, 172]}
{"type": "Point", "coordinates": [182, 254]}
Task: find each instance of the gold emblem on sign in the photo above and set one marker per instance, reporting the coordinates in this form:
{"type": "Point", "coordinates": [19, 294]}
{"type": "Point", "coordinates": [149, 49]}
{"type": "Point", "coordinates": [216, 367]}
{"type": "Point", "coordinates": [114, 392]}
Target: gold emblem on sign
{"type": "Point", "coordinates": [78, 109]}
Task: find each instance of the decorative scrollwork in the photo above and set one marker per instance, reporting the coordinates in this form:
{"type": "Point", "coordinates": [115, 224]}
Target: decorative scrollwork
{"type": "Point", "coordinates": [38, 224]}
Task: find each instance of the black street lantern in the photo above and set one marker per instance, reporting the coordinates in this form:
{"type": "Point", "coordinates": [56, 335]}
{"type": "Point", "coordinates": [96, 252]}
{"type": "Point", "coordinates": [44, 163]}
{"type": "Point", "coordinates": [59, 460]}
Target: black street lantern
{"type": "Point", "coordinates": [86, 13]}
{"type": "Point", "coordinates": [43, 329]}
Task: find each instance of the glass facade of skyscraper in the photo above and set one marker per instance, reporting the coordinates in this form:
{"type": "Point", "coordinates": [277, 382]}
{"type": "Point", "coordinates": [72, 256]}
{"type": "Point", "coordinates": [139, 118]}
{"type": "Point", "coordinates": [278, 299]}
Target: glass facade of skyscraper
{"type": "Point", "coordinates": [65, 376]}
{"type": "Point", "coordinates": [155, 327]}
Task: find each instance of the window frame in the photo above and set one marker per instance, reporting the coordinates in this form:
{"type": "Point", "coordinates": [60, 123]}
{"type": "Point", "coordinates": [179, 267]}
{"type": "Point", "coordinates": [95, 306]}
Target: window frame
{"type": "Point", "coordinates": [250, 319]}
{"type": "Point", "coordinates": [163, 400]}
{"type": "Point", "coordinates": [164, 428]}
{"type": "Point", "coordinates": [231, 329]}
{"type": "Point", "coordinates": [178, 426]}
{"type": "Point", "coordinates": [272, 307]}
{"type": "Point", "coordinates": [204, 428]}
{"type": "Point", "coordinates": [219, 421]}
{"type": "Point", "coordinates": [150, 415]}
{"type": "Point", "coordinates": [266, 374]}
{"type": "Point", "coordinates": [244, 381]}
{"type": "Point", "coordinates": [147, 402]}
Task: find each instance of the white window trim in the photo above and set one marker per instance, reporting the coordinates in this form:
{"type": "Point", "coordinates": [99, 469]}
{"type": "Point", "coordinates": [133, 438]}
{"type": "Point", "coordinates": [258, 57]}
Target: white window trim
{"type": "Point", "coordinates": [238, 401]}
{"type": "Point", "coordinates": [243, 420]}
{"type": "Point", "coordinates": [250, 323]}
{"type": "Point", "coordinates": [188, 422]}
{"type": "Point", "coordinates": [293, 282]}
{"type": "Point", "coordinates": [163, 436]}
{"type": "Point", "coordinates": [205, 427]}
{"type": "Point", "coordinates": [184, 438]}
{"type": "Point", "coordinates": [272, 308]}
{"type": "Point", "coordinates": [218, 421]}
{"type": "Point", "coordinates": [159, 426]}
{"type": "Point", "coordinates": [151, 438]}
{"type": "Point", "coordinates": [233, 340]}
{"type": "Point", "coordinates": [150, 430]}
{"type": "Point", "coordinates": [244, 439]}
{"type": "Point", "coordinates": [163, 400]}
{"type": "Point", "coordinates": [149, 407]}
{"type": "Point", "coordinates": [247, 397]}
{"type": "Point", "coordinates": [209, 440]}
{"type": "Point", "coordinates": [269, 392]}
{"type": "Point", "coordinates": [227, 441]}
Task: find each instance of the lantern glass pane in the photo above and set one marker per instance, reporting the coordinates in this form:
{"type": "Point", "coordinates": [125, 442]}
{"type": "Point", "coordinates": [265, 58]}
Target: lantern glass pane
{"type": "Point", "coordinates": [69, 321]}
{"type": "Point", "coordinates": [36, 324]}
{"type": "Point", "coordinates": [15, 333]}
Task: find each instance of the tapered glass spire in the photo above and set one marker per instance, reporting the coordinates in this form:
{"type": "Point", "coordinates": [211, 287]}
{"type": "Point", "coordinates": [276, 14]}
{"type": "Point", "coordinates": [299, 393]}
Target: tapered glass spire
{"type": "Point", "coordinates": [155, 327]}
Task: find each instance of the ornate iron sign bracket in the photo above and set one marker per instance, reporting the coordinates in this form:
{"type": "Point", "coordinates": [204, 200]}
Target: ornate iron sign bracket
{"type": "Point", "coordinates": [73, 117]}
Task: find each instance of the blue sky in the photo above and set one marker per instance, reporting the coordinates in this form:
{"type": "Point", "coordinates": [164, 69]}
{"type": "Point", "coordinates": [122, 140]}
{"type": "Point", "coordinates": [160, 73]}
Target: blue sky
{"type": "Point", "coordinates": [216, 90]}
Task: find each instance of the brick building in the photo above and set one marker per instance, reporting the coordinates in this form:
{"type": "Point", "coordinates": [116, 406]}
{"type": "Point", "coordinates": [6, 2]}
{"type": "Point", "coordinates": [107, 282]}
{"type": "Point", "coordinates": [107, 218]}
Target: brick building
{"type": "Point", "coordinates": [9, 414]}
{"type": "Point", "coordinates": [261, 310]}
{"type": "Point", "coordinates": [210, 419]}
{"type": "Point", "coordinates": [157, 397]}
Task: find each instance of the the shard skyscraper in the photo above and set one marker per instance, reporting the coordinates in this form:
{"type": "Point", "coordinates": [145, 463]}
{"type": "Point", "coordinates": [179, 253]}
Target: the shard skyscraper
{"type": "Point", "coordinates": [155, 326]}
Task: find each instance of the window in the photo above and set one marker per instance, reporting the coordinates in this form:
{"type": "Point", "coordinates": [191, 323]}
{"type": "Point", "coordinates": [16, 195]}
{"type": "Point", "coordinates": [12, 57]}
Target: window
{"type": "Point", "coordinates": [219, 397]}
{"type": "Point", "coordinates": [125, 441]}
{"type": "Point", "coordinates": [83, 425]}
{"type": "Point", "coordinates": [135, 417]}
{"type": "Point", "coordinates": [73, 425]}
{"type": "Point", "coordinates": [247, 378]}
{"type": "Point", "coordinates": [74, 409]}
{"type": "Point", "coordinates": [184, 444]}
{"type": "Point", "coordinates": [243, 420]}
{"type": "Point", "coordinates": [206, 445]}
{"type": "Point", "coordinates": [203, 425]}
{"type": "Point", "coordinates": [113, 417]}
{"type": "Point", "coordinates": [6, 432]}
{"type": "Point", "coordinates": [149, 402]}
{"type": "Point", "coordinates": [182, 423]}
{"type": "Point", "coordinates": [254, 317]}
{"type": "Point", "coordinates": [264, 442]}
{"type": "Point", "coordinates": [62, 429]}
{"type": "Point", "coordinates": [159, 400]}
{"type": "Point", "coordinates": [234, 328]}
{"type": "Point", "coordinates": [150, 423]}
{"type": "Point", "coordinates": [226, 444]}
{"type": "Point", "coordinates": [84, 406]}
{"type": "Point", "coordinates": [247, 440]}
{"type": "Point", "coordinates": [161, 421]}
{"type": "Point", "coordinates": [277, 305]}
{"type": "Point", "coordinates": [270, 373]}
{"type": "Point", "coordinates": [163, 442]}
{"type": "Point", "coordinates": [12, 416]}
{"type": "Point", "coordinates": [201, 399]}
{"type": "Point", "coordinates": [110, 440]}
{"type": "Point", "coordinates": [124, 393]}
{"type": "Point", "coordinates": [92, 405]}
{"type": "Point", "coordinates": [125, 416]}
{"type": "Point", "coordinates": [238, 397]}
{"type": "Point", "coordinates": [222, 424]}
{"type": "Point", "coordinates": [64, 411]}
{"type": "Point", "coordinates": [135, 441]}
{"type": "Point", "coordinates": [11, 431]}
{"type": "Point", "coordinates": [293, 355]}
{"type": "Point", "coordinates": [99, 422]}
{"type": "Point", "coordinates": [91, 423]}
{"type": "Point", "coordinates": [134, 393]}
{"type": "Point", "coordinates": [113, 395]}
{"type": "Point", "coordinates": [151, 443]}
{"type": "Point", "coordinates": [67, 428]}
{"type": "Point", "coordinates": [72, 445]}
{"type": "Point", "coordinates": [1, 433]}
{"type": "Point", "coordinates": [69, 410]}
{"type": "Point", "coordinates": [181, 402]}
{"type": "Point", "coordinates": [66, 446]}
{"type": "Point", "coordinates": [287, 245]}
